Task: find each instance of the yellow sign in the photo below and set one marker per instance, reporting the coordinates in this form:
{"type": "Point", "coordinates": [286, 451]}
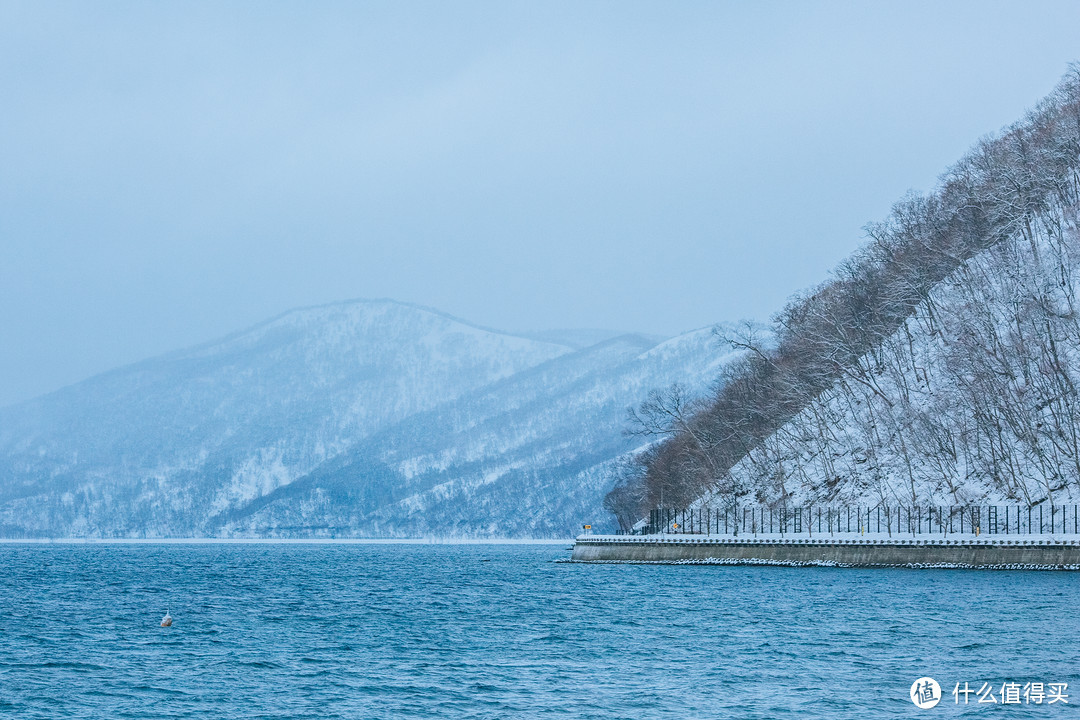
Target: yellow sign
{"type": "Point", "coordinates": [587, 527]}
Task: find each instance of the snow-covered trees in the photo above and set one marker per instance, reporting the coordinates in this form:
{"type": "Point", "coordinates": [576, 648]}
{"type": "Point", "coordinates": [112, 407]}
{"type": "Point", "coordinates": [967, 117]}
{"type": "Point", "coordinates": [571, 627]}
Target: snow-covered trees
{"type": "Point", "coordinates": [940, 365]}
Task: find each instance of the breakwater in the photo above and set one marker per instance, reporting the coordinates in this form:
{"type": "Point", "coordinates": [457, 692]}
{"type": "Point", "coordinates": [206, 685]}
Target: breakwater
{"type": "Point", "coordinates": [1036, 552]}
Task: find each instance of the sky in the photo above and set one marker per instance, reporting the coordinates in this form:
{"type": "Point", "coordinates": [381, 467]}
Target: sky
{"type": "Point", "coordinates": [171, 172]}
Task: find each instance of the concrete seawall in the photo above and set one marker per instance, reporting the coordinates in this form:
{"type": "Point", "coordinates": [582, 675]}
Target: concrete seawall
{"type": "Point", "coordinates": [1018, 552]}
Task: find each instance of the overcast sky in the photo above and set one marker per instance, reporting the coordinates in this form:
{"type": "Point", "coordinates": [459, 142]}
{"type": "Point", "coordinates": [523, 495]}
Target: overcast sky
{"type": "Point", "coordinates": [171, 172]}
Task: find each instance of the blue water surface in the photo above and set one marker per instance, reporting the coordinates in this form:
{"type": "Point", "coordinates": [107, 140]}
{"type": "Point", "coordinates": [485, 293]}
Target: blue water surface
{"type": "Point", "coordinates": [502, 631]}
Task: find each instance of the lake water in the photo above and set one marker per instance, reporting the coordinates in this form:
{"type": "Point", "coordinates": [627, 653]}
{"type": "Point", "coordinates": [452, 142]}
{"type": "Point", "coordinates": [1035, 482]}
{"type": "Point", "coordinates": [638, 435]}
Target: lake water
{"type": "Point", "coordinates": [502, 631]}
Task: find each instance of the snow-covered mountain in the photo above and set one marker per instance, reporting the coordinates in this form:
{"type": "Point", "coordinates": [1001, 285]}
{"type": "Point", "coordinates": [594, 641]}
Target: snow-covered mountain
{"type": "Point", "coordinates": [939, 366]}
{"type": "Point", "coordinates": [354, 419]}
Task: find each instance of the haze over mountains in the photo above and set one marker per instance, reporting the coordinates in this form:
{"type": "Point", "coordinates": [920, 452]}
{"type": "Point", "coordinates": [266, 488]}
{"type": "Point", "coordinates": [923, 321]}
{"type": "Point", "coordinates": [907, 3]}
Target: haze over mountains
{"type": "Point", "coordinates": [357, 419]}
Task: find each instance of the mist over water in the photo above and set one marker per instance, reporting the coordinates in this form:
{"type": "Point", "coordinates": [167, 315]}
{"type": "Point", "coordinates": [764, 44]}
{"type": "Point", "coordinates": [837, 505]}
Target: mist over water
{"type": "Point", "coordinates": [492, 631]}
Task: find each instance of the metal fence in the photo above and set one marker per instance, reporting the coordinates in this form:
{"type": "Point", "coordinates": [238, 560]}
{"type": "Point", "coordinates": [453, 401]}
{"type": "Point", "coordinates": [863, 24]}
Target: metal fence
{"type": "Point", "coordinates": [890, 520]}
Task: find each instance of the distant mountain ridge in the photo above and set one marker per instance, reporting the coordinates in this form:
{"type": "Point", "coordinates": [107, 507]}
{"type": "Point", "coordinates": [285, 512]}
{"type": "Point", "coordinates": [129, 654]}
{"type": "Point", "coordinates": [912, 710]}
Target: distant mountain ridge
{"type": "Point", "coordinates": [362, 418]}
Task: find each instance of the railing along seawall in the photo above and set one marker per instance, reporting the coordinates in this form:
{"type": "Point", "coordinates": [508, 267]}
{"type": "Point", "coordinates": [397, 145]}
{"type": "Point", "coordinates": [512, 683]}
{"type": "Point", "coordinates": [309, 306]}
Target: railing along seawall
{"type": "Point", "coordinates": [810, 521]}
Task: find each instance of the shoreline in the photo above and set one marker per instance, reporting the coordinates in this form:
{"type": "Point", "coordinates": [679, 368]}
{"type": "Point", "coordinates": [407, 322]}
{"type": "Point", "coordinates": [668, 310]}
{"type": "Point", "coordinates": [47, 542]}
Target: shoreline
{"type": "Point", "coordinates": [1004, 552]}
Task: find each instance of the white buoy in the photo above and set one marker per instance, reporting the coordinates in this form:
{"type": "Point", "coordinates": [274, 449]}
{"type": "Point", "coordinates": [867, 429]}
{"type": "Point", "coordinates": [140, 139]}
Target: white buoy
{"type": "Point", "coordinates": [167, 620]}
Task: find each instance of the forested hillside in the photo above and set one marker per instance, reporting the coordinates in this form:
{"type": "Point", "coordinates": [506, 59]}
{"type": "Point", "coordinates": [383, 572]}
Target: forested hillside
{"type": "Point", "coordinates": [939, 365]}
{"type": "Point", "coordinates": [357, 419]}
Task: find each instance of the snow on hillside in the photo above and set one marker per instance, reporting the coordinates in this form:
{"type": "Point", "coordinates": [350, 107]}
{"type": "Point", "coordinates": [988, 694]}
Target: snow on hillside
{"type": "Point", "coordinates": [940, 365]}
{"type": "Point", "coordinates": [352, 418]}
{"type": "Point", "coordinates": [162, 443]}
{"type": "Point", "coordinates": [974, 399]}
{"type": "Point", "coordinates": [525, 456]}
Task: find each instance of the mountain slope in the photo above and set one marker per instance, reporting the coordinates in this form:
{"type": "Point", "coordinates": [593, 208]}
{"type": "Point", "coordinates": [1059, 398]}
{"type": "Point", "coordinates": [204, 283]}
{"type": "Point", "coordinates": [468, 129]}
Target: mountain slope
{"type": "Point", "coordinates": [974, 400]}
{"type": "Point", "coordinates": [167, 442]}
{"type": "Point", "coordinates": [527, 456]}
{"type": "Point", "coordinates": [360, 418]}
{"type": "Point", "coordinates": [940, 365]}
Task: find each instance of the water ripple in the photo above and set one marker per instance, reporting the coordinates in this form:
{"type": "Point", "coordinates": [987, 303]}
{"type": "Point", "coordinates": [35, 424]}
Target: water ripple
{"type": "Point", "coordinates": [405, 631]}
